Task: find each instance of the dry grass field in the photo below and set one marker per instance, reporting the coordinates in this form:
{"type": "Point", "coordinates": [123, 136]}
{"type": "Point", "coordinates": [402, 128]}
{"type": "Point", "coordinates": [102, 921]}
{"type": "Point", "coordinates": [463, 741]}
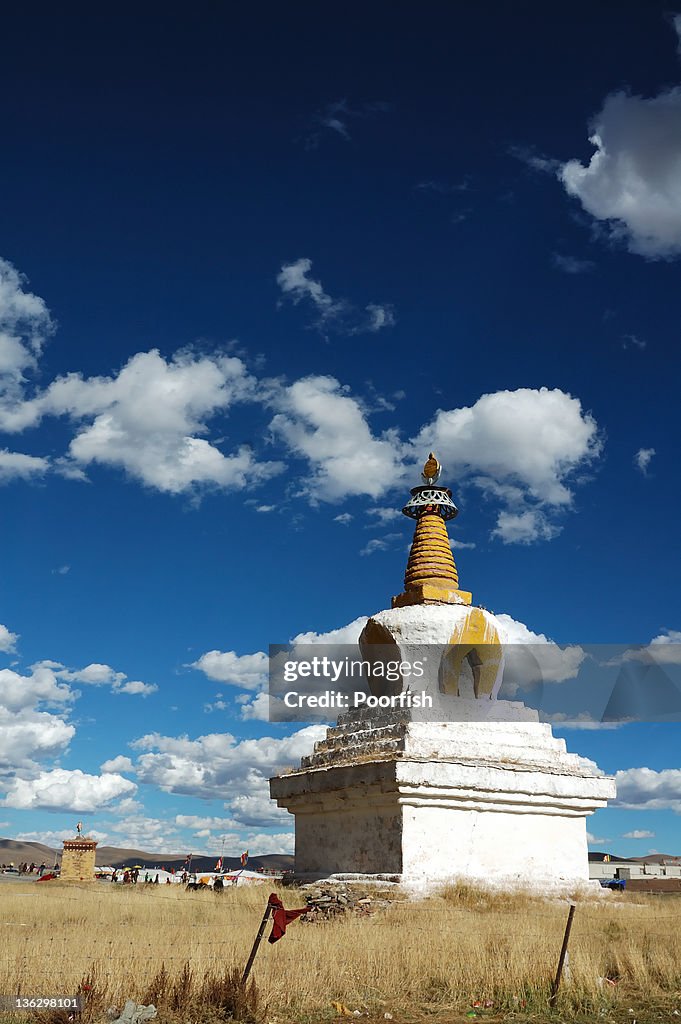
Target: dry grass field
{"type": "Point", "coordinates": [443, 959]}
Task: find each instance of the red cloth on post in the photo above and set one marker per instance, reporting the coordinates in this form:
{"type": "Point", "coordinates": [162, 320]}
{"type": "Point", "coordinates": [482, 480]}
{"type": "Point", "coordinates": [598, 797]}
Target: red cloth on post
{"type": "Point", "coordinates": [281, 917]}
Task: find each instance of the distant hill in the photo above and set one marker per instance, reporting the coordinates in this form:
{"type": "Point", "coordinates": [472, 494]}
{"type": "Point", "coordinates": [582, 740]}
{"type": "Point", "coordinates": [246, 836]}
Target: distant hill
{"type": "Point", "coordinates": [17, 851]}
{"type": "Point", "coordinates": [596, 857]}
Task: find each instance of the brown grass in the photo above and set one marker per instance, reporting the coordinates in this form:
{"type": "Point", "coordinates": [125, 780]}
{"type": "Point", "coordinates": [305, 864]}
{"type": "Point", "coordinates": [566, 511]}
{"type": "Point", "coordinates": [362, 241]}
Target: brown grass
{"type": "Point", "coordinates": [435, 958]}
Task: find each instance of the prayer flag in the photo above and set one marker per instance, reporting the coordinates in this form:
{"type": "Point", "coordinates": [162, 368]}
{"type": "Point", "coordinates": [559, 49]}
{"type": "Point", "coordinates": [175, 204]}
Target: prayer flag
{"type": "Point", "coordinates": [281, 917]}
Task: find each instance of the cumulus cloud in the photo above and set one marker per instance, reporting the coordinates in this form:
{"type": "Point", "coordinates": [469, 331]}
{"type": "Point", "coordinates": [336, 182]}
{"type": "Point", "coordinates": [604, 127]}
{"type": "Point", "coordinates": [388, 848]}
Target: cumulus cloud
{"type": "Point", "coordinates": [117, 765]}
{"type": "Point", "coordinates": [256, 709]}
{"type": "Point", "coordinates": [639, 833]}
{"type": "Point", "coordinates": [97, 674]}
{"type": "Point", "coordinates": [15, 466]}
{"type": "Point", "coordinates": [246, 671]}
{"type": "Point", "coordinates": [335, 315]}
{"type": "Point", "coordinates": [532, 657]}
{"type": "Point", "coordinates": [33, 718]}
{"type": "Point", "coordinates": [322, 423]}
{"type": "Point", "coordinates": [647, 790]}
{"type": "Point", "coordinates": [592, 839]}
{"type": "Point", "coordinates": [642, 459]}
{"type": "Point", "coordinates": [664, 649]}
{"type": "Point", "coordinates": [62, 790]}
{"type": "Point", "coordinates": [520, 447]}
{"type": "Point", "coordinates": [148, 418]}
{"type": "Point", "coordinates": [632, 183]}
{"type": "Point", "coordinates": [142, 832]}
{"type": "Point", "coordinates": [348, 634]}
{"type": "Point", "coordinates": [25, 324]}
{"type": "Point", "coordinates": [54, 838]}
{"type": "Point", "coordinates": [8, 641]}
{"type": "Point", "coordinates": [220, 766]}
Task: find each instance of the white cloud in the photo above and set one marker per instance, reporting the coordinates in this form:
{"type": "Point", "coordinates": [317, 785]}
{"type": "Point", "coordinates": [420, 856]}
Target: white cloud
{"type": "Point", "coordinates": [24, 326]}
{"type": "Point", "coordinates": [664, 649]}
{"type": "Point", "coordinates": [264, 843]}
{"type": "Point", "coordinates": [321, 422]}
{"type": "Point", "coordinates": [256, 709]}
{"type": "Point", "coordinates": [137, 687]}
{"type": "Point", "coordinates": [524, 527]}
{"type": "Point", "coordinates": [383, 515]}
{"type": "Point", "coordinates": [14, 465]}
{"type": "Point", "coordinates": [344, 518]}
{"type": "Point", "coordinates": [18, 692]}
{"type": "Point", "coordinates": [348, 634]}
{"type": "Point", "coordinates": [378, 544]}
{"type": "Point", "coordinates": [62, 790]}
{"type": "Point", "coordinates": [145, 833]}
{"type": "Point", "coordinates": [29, 734]}
{"type": "Point", "coordinates": [117, 765]}
{"type": "Point", "coordinates": [639, 833]}
{"type": "Point", "coordinates": [218, 765]}
{"type": "Point", "coordinates": [258, 809]}
{"type": "Point", "coordinates": [336, 315]}
{"type": "Point", "coordinates": [8, 641]}
{"type": "Point", "coordinates": [148, 420]}
{"type": "Point", "coordinates": [633, 181]}
{"type": "Point", "coordinates": [596, 840]}
{"type": "Point", "coordinates": [520, 447]}
{"type": "Point", "coordinates": [97, 674]}
{"type": "Point", "coordinates": [55, 838]}
{"type": "Point", "coordinates": [571, 264]}
{"type": "Point", "coordinates": [532, 657]}
{"type": "Point", "coordinates": [647, 790]}
{"type": "Point", "coordinates": [247, 671]}
{"type": "Point", "coordinates": [200, 821]}
{"type": "Point", "coordinates": [642, 459]}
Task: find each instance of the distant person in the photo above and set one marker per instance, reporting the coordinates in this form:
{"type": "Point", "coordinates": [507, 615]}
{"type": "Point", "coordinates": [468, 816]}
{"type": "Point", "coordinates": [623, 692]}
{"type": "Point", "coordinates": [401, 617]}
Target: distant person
{"type": "Point", "coordinates": [156, 880]}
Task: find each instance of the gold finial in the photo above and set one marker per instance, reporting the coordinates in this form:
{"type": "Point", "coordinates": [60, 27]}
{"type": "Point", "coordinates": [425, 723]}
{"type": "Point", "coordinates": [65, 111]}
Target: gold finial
{"type": "Point", "coordinates": [431, 469]}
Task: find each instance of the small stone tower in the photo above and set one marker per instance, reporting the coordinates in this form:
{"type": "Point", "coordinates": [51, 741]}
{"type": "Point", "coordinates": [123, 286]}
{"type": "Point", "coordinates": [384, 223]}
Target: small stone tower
{"type": "Point", "coordinates": [78, 857]}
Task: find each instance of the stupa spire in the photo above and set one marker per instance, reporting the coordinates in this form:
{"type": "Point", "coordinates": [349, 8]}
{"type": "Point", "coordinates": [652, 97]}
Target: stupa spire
{"type": "Point", "coordinates": [431, 576]}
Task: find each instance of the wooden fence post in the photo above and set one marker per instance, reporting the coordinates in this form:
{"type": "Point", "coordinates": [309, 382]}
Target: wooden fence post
{"type": "Point", "coordinates": [563, 953]}
{"type": "Point", "coordinates": [258, 939]}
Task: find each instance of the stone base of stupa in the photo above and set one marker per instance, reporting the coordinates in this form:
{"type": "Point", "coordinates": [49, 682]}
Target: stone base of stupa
{"type": "Point", "coordinates": [491, 798]}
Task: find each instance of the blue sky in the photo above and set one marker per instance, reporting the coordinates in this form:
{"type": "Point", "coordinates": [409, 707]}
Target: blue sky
{"type": "Point", "coordinates": [255, 265]}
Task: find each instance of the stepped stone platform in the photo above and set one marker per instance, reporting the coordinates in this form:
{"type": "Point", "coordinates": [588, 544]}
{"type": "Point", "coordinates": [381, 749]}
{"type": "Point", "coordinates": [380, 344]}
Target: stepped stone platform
{"type": "Point", "coordinates": [497, 800]}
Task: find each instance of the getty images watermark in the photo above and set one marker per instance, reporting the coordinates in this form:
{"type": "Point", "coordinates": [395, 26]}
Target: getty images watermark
{"type": "Point", "coordinates": [308, 688]}
{"type": "Point", "coordinates": [578, 685]}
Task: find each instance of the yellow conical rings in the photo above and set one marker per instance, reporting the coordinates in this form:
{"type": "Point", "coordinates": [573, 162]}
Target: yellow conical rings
{"type": "Point", "coordinates": [430, 558]}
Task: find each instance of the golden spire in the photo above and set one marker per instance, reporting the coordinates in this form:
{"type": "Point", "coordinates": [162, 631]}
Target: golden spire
{"type": "Point", "coordinates": [431, 576]}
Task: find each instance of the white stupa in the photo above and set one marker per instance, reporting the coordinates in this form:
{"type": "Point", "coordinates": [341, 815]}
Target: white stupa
{"type": "Point", "coordinates": [473, 788]}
